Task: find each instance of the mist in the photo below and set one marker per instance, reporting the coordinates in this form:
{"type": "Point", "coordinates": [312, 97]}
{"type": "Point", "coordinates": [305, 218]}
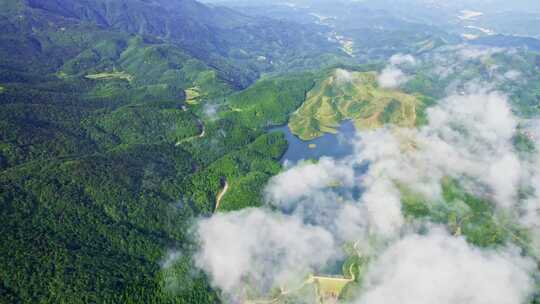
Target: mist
{"type": "Point", "coordinates": [307, 219]}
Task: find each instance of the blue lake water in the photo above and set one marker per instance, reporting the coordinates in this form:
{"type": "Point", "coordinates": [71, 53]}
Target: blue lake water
{"type": "Point", "coordinates": [333, 145]}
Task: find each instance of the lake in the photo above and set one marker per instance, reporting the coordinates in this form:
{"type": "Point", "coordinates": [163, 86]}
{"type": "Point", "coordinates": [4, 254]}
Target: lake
{"type": "Point", "coordinates": [333, 145]}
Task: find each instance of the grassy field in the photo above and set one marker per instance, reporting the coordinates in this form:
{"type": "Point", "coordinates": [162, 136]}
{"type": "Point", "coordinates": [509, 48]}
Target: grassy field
{"type": "Point", "coordinates": [355, 96]}
{"type": "Point", "coordinates": [320, 289]}
{"type": "Point", "coordinates": [329, 288]}
{"type": "Point", "coordinates": [193, 95]}
{"type": "Point", "coordinates": [110, 76]}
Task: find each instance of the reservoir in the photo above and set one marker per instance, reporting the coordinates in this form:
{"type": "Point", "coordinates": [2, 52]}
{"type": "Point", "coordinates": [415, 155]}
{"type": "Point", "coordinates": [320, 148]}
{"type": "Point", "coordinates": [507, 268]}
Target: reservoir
{"type": "Point", "coordinates": [332, 145]}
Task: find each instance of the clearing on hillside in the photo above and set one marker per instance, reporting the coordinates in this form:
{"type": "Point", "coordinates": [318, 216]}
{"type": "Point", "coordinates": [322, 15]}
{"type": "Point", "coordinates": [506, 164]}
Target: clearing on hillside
{"type": "Point", "coordinates": [111, 76]}
{"type": "Point", "coordinates": [329, 288]}
{"type": "Point", "coordinates": [192, 95]}
{"type": "Point", "coordinates": [352, 96]}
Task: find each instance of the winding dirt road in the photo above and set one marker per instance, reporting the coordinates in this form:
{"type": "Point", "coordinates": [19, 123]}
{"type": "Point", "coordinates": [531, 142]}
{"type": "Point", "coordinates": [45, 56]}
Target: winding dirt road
{"type": "Point", "coordinates": [203, 132]}
{"type": "Point", "coordinates": [201, 135]}
{"type": "Point", "coordinates": [220, 195]}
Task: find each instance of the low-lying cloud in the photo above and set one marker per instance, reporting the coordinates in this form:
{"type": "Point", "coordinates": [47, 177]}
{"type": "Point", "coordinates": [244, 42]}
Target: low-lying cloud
{"type": "Point", "coordinates": [392, 77]}
{"type": "Point", "coordinates": [307, 178]}
{"type": "Point", "coordinates": [439, 268]}
{"type": "Point", "coordinates": [343, 76]}
{"type": "Point", "coordinates": [312, 211]}
{"type": "Point", "coordinates": [259, 249]}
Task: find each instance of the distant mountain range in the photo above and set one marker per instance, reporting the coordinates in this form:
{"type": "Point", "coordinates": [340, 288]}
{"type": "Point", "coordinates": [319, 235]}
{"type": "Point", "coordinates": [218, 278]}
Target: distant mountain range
{"type": "Point", "coordinates": [238, 46]}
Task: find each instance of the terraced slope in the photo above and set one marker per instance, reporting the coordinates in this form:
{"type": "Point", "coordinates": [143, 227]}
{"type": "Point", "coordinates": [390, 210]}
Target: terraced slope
{"type": "Point", "coordinates": [352, 96]}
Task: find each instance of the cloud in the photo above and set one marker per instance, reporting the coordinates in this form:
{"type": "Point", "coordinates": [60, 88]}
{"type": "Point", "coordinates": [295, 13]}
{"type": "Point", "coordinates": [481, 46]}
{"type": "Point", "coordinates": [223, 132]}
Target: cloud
{"type": "Point", "coordinates": [304, 179]}
{"type": "Point", "coordinates": [314, 209]}
{"type": "Point", "coordinates": [260, 249]}
{"type": "Point", "coordinates": [399, 59]}
{"type": "Point", "coordinates": [530, 206]}
{"type": "Point", "coordinates": [343, 76]}
{"type": "Point", "coordinates": [477, 52]}
{"type": "Point", "coordinates": [467, 136]}
{"type": "Point", "coordinates": [439, 268]}
{"type": "Point", "coordinates": [172, 257]}
{"type": "Point", "coordinates": [383, 205]}
{"type": "Point", "coordinates": [475, 134]}
{"type": "Point", "coordinates": [210, 111]}
{"type": "Point", "coordinates": [513, 75]}
{"type": "Point", "coordinates": [392, 77]}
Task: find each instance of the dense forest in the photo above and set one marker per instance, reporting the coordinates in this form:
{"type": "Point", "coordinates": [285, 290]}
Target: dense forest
{"type": "Point", "coordinates": [121, 122]}
{"type": "Point", "coordinates": [105, 163]}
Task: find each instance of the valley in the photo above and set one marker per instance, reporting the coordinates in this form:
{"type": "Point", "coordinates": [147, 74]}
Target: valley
{"type": "Point", "coordinates": [299, 151]}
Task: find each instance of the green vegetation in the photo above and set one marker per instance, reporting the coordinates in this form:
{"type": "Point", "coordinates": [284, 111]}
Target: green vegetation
{"type": "Point", "coordinates": [329, 288]}
{"type": "Point", "coordinates": [523, 143]}
{"type": "Point", "coordinates": [192, 95]}
{"type": "Point", "coordinates": [355, 266]}
{"type": "Point", "coordinates": [110, 76]}
{"type": "Point", "coordinates": [144, 125]}
{"type": "Point", "coordinates": [465, 214]}
{"type": "Point", "coordinates": [270, 101]}
{"type": "Point", "coordinates": [97, 178]}
{"type": "Point", "coordinates": [514, 73]}
{"type": "Point", "coordinates": [246, 171]}
{"type": "Point", "coordinates": [92, 229]}
{"type": "Point", "coordinates": [356, 96]}
{"type": "Point", "coordinates": [106, 157]}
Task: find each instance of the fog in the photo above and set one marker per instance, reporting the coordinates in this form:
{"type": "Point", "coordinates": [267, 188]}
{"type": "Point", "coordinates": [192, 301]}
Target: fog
{"type": "Point", "coordinates": [500, 5]}
{"type": "Point", "coordinates": [310, 207]}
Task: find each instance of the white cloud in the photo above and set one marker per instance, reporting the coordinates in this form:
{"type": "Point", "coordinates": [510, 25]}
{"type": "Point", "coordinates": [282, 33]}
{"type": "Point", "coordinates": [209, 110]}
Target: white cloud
{"type": "Point", "coordinates": [530, 206]}
{"type": "Point", "coordinates": [400, 59]}
{"type": "Point", "coordinates": [512, 75]}
{"type": "Point", "coordinates": [260, 249]}
{"type": "Point", "coordinates": [392, 77]}
{"type": "Point", "coordinates": [439, 268]}
{"type": "Point", "coordinates": [171, 258]}
{"type": "Point", "coordinates": [476, 133]}
{"type": "Point", "coordinates": [469, 138]}
{"type": "Point", "coordinates": [383, 204]}
{"type": "Point", "coordinates": [210, 111]}
{"type": "Point", "coordinates": [305, 178]}
{"type": "Point", "coordinates": [467, 52]}
{"type": "Point", "coordinates": [343, 76]}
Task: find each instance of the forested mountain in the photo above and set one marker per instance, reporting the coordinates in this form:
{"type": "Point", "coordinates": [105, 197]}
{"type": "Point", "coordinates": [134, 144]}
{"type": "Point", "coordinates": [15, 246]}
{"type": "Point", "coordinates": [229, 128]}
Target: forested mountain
{"type": "Point", "coordinates": [107, 151]}
{"type": "Point", "coordinates": [238, 46]}
{"type": "Point", "coordinates": [123, 123]}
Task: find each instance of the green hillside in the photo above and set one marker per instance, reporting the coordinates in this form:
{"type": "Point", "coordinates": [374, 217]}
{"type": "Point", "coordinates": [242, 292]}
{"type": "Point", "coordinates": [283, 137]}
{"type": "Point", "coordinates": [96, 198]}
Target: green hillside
{"type": "Point", "coordinates": [123, 122]}
{"type": "Point", "coordinates": [270, 101]}
{"type": "Point", "coordinates": [238, 46]}
{"type": "Point", "coordinates": [103, 164]}
{"type": "Point", "coordinates": [352, 96]}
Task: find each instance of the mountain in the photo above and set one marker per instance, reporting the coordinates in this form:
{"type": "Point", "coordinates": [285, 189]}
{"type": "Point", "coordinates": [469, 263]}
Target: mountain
{"type": "Point", "coordinates": [111, 144]}
{"type": "Point", "coordinates": [238, 46]}
{"type": "Point", "coordinates": [504, 41]}
{"type": "Point", "coordinates": [355, 96]}
{"type": "Point", "coordinates": [125, 122]}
